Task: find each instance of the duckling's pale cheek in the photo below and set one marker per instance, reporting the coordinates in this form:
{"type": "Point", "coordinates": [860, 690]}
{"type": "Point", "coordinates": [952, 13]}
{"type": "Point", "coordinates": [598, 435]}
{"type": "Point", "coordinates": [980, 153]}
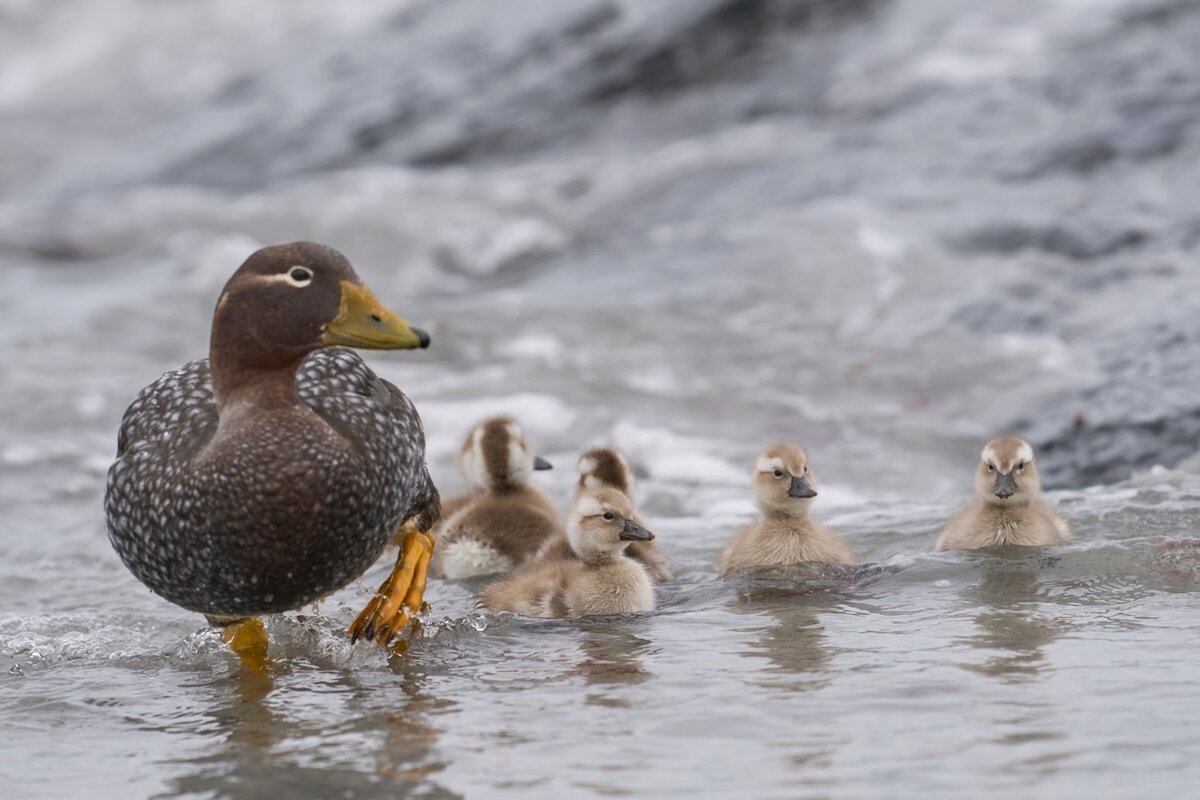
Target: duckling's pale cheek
{"type": "Point", "coordinates": [519, 460]}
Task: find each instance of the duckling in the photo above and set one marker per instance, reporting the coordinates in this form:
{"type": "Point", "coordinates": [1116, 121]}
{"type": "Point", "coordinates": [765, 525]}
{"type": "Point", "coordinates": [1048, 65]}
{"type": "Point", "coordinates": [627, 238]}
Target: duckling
{"type": "Point", "coordinates": [503, 520]}
{"type": "Point", "coordinates": [606, 467]}
{"type": "Point", "coordinates": [783, 490]}
{"type": "Point", "coordinates": [1006, 509]}
{"type": "Point", "coordinates": [600, 579]}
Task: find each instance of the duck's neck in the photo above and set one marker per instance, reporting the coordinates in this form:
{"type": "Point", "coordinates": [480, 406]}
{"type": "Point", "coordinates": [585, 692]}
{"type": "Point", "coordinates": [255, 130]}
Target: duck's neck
{"type": "Point", "coordinates": [258, 388]}
{"type": "Point", "coordinates": [244, 367]}
{"type": "Point", "coordinates": [263, 382]}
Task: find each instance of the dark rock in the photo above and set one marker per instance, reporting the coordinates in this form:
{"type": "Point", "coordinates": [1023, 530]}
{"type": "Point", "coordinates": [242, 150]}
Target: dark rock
{"type": "Point", "coordinates": [1079, 239]}
{"type": "Point", "coordinates": [1145, 412]}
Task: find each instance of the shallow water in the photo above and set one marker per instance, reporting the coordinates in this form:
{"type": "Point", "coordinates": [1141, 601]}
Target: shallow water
{"type": "Point", "coordinates": [887, 233]}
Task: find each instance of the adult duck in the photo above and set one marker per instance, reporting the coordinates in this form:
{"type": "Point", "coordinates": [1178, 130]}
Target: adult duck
{"type": "Point", "coordinates": [276, 470]}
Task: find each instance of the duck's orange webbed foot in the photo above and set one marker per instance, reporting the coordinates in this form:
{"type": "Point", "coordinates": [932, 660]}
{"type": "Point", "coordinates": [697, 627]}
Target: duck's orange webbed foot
{"type": "Point", "coordinates": [248, 639]}
{"type": "Point", "coordinates": [401, 596]}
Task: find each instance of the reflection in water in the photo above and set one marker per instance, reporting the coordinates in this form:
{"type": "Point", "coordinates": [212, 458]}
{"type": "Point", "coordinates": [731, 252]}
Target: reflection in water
{"type": "Point", "coordinates": [1010, 592]}
{"type": "Point", "coordinates": [796, 644]}
{"type": "Point", "coordinates": [1010, 626]}
{"type": "Point", "coordinates": [258, 757]}
{"type": "Point", "coordinates": [612, 659]}
{"type": "Point", "coordinates": [409, 748]}
{"type": "Point", "coordinates": [241, 767]}
{"type": "Point", "coordinates": [796, 597]}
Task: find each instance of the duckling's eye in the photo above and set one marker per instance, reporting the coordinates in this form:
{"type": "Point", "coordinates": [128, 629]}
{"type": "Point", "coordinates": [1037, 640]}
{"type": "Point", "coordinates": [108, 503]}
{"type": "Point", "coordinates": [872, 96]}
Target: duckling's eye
{"type": "Point", "coordinates": [609, 516]}
{"type": "Point", "coordinates": [299, 276]}
{"type": "Point", "coordinates": [991, 468]}
{"type": "Point", "coordinates": [778, 473]}
{"type": "Point", "coordinates": [1021, 467]}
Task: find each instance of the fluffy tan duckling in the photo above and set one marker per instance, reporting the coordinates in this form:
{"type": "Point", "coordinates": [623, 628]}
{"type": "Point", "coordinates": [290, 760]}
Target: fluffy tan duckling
{"type": "Point", "coordinates": [600, 579]}
{"type": "Point", "coordinates": [1006, 508]}
{"type": "Point", "coordinates": [504, 520]}
{"type": "Point", "coordinates": [783, 490]}
{"type": "Point", "coordinates": [605, 467]}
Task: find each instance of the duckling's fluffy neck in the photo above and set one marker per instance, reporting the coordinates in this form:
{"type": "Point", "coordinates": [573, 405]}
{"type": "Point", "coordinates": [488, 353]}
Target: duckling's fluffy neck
{"type": "Point", "coordinates": [597, 556]}
{"type": "Point", "coordinates": [996, 505]}
{"type": "Point", "coordinates": [789, 524]}
{"type": "Point", "coordinates": [792, 513]}
{"type": "Point", "coordinates": [505, 487]}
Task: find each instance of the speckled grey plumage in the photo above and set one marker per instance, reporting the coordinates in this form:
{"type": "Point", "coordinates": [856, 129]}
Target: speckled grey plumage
{"type": "Point", "coordinates": [261, 512]}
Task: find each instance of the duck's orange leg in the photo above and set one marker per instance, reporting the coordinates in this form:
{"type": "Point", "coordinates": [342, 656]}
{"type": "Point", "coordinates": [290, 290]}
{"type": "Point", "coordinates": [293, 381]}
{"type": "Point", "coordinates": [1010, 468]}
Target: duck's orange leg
{"type": "Point", "coordinates": [248, 638]}
{"type": "Point", "coordinates": [401, 596]}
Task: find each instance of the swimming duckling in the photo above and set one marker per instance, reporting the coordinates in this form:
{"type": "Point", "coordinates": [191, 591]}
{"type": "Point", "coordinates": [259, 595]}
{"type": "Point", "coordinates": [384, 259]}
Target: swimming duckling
{"type": "Point", "coordinates": [1006, 509]}
{"type": "Point", "coordinates": [504, 520]}
{"type": "Point", "coordinates": [606, 467]}
{"type": "Point", "coordinates": [783, 490]}
{"type": "Point", "coordinates": [599, 580]}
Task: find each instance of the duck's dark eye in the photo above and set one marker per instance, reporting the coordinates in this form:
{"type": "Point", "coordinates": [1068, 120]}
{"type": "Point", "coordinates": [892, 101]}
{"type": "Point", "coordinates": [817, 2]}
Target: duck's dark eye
{"type": "Point", "coordinates": [1021, 467]}
{"type": "Point", "coordinates": [300, 276]}
{"type": "Point", "coordinates": [778, 473]}
{"type": "Point", "coordinates": [377, 318]}
{"type": "Point", "coordinates": [991, 468]}
{"type": "Point", "coordinates": [609, 516]}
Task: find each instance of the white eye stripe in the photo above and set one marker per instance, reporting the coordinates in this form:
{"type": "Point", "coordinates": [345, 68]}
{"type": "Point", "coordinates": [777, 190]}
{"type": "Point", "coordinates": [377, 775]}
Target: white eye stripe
{"type": "Point", "coordinates": [298, 276]}
{"type": "Point", "coordinates": [765, 464]}
{"type": "Point", "coordinates": [589, 507]}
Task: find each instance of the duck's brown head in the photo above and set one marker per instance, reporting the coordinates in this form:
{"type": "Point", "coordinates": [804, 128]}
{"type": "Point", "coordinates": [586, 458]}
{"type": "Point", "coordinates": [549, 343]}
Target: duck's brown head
{"type": "Point", "coordinates": [1006, 475]}
{"type": "Point", "coordinates": [604, 466]}
{"type": "Point", "coordinates": [496, 456]}
{"type": "Point", "coordinates": [783, 482]}
{"type": "Point", "coordinates": [290, 299]}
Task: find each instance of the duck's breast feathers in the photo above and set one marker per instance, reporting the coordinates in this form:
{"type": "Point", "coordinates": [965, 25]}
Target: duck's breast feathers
{"type": "Point", "coordinates": [176, 413]}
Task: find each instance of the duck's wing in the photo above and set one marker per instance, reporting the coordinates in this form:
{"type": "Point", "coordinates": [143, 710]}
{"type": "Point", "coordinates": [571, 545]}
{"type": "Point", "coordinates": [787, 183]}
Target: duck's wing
{"type": "Point", "coordinates": [177, 413]}
{"type": "Point", "coordinates": [164, 427]}
{"type": "Point", "coordinates": [382, 424]}
{"type": "Point", "coordinates": [367, 411]}
{"type": "Point", "coordinates": [425, 509]}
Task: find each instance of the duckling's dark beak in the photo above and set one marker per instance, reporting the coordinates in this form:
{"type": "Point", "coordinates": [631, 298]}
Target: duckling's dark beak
{"type": "Point", "coordinates": [801, 488]}
{"type": "Point", "coordinates": [363, 321]}
{"type": "Point", "coordinates": [1006, 486]}
{"type": "Point", "coordinates": [635, 533]}
{"type": "Point", "coordinates": [541, 463]}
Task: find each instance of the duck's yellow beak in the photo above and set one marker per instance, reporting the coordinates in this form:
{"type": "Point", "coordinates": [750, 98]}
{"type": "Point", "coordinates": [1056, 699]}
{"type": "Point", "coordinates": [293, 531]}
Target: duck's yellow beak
{"type": "Point", "coordinates": [362, 321]}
